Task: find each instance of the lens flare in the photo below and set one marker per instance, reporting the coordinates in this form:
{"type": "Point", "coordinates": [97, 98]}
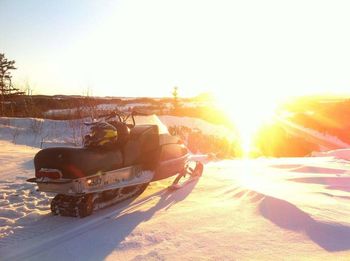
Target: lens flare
{"type": "Point", "coordinates": [248, 114]}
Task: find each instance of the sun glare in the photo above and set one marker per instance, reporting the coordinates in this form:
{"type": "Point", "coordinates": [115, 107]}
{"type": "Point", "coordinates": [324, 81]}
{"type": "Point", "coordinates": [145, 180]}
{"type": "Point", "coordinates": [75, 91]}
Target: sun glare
{"type": "Point", "coordinates": [248, 114]}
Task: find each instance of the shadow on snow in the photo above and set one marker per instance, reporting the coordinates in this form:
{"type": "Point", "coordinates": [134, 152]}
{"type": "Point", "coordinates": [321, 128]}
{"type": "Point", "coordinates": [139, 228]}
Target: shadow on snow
{"type": "Point", "coordinates": [331, 237]}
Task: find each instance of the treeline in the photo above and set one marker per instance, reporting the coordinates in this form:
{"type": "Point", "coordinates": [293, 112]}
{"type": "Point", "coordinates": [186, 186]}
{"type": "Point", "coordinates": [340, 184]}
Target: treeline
{"type": "Point", "coordinates": [37, 106]}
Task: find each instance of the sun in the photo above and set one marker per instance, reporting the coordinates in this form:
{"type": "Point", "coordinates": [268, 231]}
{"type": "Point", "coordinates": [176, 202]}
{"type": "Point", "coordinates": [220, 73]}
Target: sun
{"type": "Point", "coordinates": [248, 113]}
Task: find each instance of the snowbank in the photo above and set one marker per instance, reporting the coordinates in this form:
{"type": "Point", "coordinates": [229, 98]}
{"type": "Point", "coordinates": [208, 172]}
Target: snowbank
{"type": "Point", "coordinates": [282, 209]}
{"type": "Point", "coordinates": [325, 140]}
{"type": "Point", "coordinates": [42, 133]}
{"type": "Point", "coordinates": [339, 154]}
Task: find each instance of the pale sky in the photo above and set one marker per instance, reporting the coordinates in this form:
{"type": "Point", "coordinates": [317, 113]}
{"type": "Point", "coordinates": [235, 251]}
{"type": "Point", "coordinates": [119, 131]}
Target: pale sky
{"type": "Point", "coordinates": [145, 47]}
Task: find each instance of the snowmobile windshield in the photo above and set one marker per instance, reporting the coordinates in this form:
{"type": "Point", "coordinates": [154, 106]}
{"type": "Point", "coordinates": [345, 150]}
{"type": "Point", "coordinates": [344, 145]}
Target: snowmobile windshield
{"type": "Point", "coordinates": [151, 119]}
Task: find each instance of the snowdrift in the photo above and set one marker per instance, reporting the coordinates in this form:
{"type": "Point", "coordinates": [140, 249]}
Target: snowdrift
{"type": "Point", "coordinates": [339, 154]}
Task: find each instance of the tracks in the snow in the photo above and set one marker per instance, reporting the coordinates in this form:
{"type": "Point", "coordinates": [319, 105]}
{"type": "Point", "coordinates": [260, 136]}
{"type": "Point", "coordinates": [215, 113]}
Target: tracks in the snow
{"type": "Point", "coordinates": [53, 230]}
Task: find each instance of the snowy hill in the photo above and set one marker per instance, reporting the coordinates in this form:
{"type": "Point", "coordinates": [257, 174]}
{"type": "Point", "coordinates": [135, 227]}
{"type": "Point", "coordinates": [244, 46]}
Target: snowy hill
{"type": "Point", "coordinates": [283, 209]}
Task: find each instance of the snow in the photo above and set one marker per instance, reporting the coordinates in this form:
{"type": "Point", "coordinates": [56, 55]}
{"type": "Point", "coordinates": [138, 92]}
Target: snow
{"type": "Point", "coordinates": [339, 153]}
{"type": "Point", "coordinates": [42, 133]}
{"type": "Point", "coordinates": [262, 209]}
{"type": "Point", "coordinates": [325, 140]}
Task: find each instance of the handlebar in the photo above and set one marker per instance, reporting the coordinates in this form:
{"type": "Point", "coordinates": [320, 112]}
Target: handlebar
{"type": "Point", "coordinates": [122, 116]}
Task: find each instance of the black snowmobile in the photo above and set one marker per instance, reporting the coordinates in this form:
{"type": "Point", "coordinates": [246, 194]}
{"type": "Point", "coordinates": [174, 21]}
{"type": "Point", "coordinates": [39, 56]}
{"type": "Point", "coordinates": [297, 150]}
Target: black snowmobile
{"type": "Point", "coordinates": [118, 161]}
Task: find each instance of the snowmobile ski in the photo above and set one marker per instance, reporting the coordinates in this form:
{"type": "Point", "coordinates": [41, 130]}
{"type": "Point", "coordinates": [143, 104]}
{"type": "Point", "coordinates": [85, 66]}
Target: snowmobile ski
{"type": "Point", "coordinates": [190, 175]}
{"type": "Point", "coordinates": [183, 183]}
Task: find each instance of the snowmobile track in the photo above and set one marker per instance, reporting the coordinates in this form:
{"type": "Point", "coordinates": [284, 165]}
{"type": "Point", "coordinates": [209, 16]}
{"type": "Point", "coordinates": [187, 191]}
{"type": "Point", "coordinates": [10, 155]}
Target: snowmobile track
{"type": "Point", "coordinates": [62, 229]}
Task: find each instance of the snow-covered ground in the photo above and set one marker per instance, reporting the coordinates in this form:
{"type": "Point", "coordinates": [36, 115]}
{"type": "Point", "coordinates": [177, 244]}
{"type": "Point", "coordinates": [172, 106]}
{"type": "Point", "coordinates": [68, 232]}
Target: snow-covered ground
{"type": "Point", "coordinates": [42, 133]}
{"type": "Point", "coordinates": [324, 140]}
{"type": "Point", "coordinates": [263, 209]}
{"type": "Point", "coordinates": [284, 209]}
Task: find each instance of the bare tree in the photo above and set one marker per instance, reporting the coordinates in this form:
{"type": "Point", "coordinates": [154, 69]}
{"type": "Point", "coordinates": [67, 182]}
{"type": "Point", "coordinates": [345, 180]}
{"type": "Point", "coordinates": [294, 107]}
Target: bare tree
{"type": "Point", "coordinates": [6, 87]}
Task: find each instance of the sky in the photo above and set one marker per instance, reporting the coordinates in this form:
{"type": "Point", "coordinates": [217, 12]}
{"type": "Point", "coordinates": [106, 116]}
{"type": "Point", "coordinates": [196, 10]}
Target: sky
{"type": "Point", "coordinates": [271, 48]}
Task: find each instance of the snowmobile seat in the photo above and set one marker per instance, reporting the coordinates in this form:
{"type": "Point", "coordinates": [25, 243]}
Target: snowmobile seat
{"type": "Point", "coordinates": [142, 146]}
{"type": "Point", "coordinates": [78, 162]}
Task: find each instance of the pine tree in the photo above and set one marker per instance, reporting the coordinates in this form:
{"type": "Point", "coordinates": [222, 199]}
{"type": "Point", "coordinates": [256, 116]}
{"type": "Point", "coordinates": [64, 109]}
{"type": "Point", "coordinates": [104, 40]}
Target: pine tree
{"type": "Point", "coordinates": [6, 88]}
{"type": "Point", "coordinates": [175, 97]}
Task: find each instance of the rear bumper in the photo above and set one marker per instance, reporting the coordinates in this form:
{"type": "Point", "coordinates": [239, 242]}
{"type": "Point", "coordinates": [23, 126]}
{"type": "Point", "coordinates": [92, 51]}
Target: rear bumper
{"type": "Point", "coordinates": [128, 176]}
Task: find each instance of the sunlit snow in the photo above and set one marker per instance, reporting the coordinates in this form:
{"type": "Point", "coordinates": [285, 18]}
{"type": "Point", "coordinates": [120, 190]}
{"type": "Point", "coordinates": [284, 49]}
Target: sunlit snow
{"type": "Point", "coordinates": [263, 209]}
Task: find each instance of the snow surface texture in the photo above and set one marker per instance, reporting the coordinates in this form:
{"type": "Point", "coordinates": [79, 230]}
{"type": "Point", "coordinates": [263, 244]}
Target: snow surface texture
{"type": "Point", "coordinates": [287, 209]}
{"type": "Point", "coordinates": [264, 209]}
{"type": "Point", "coordinates": [324, 140]}
{"type": "Point", "coordinates": [42, 133]}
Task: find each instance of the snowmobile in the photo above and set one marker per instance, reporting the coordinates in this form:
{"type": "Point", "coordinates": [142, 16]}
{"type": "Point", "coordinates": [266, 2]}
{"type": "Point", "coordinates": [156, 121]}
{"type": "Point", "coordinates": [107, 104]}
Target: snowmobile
{"type": "Point", "coordinates": [117, 161]}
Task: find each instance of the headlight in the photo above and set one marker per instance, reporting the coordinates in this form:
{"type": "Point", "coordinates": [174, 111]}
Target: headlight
{"type": "Point", "coordinates": [94, 181]}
